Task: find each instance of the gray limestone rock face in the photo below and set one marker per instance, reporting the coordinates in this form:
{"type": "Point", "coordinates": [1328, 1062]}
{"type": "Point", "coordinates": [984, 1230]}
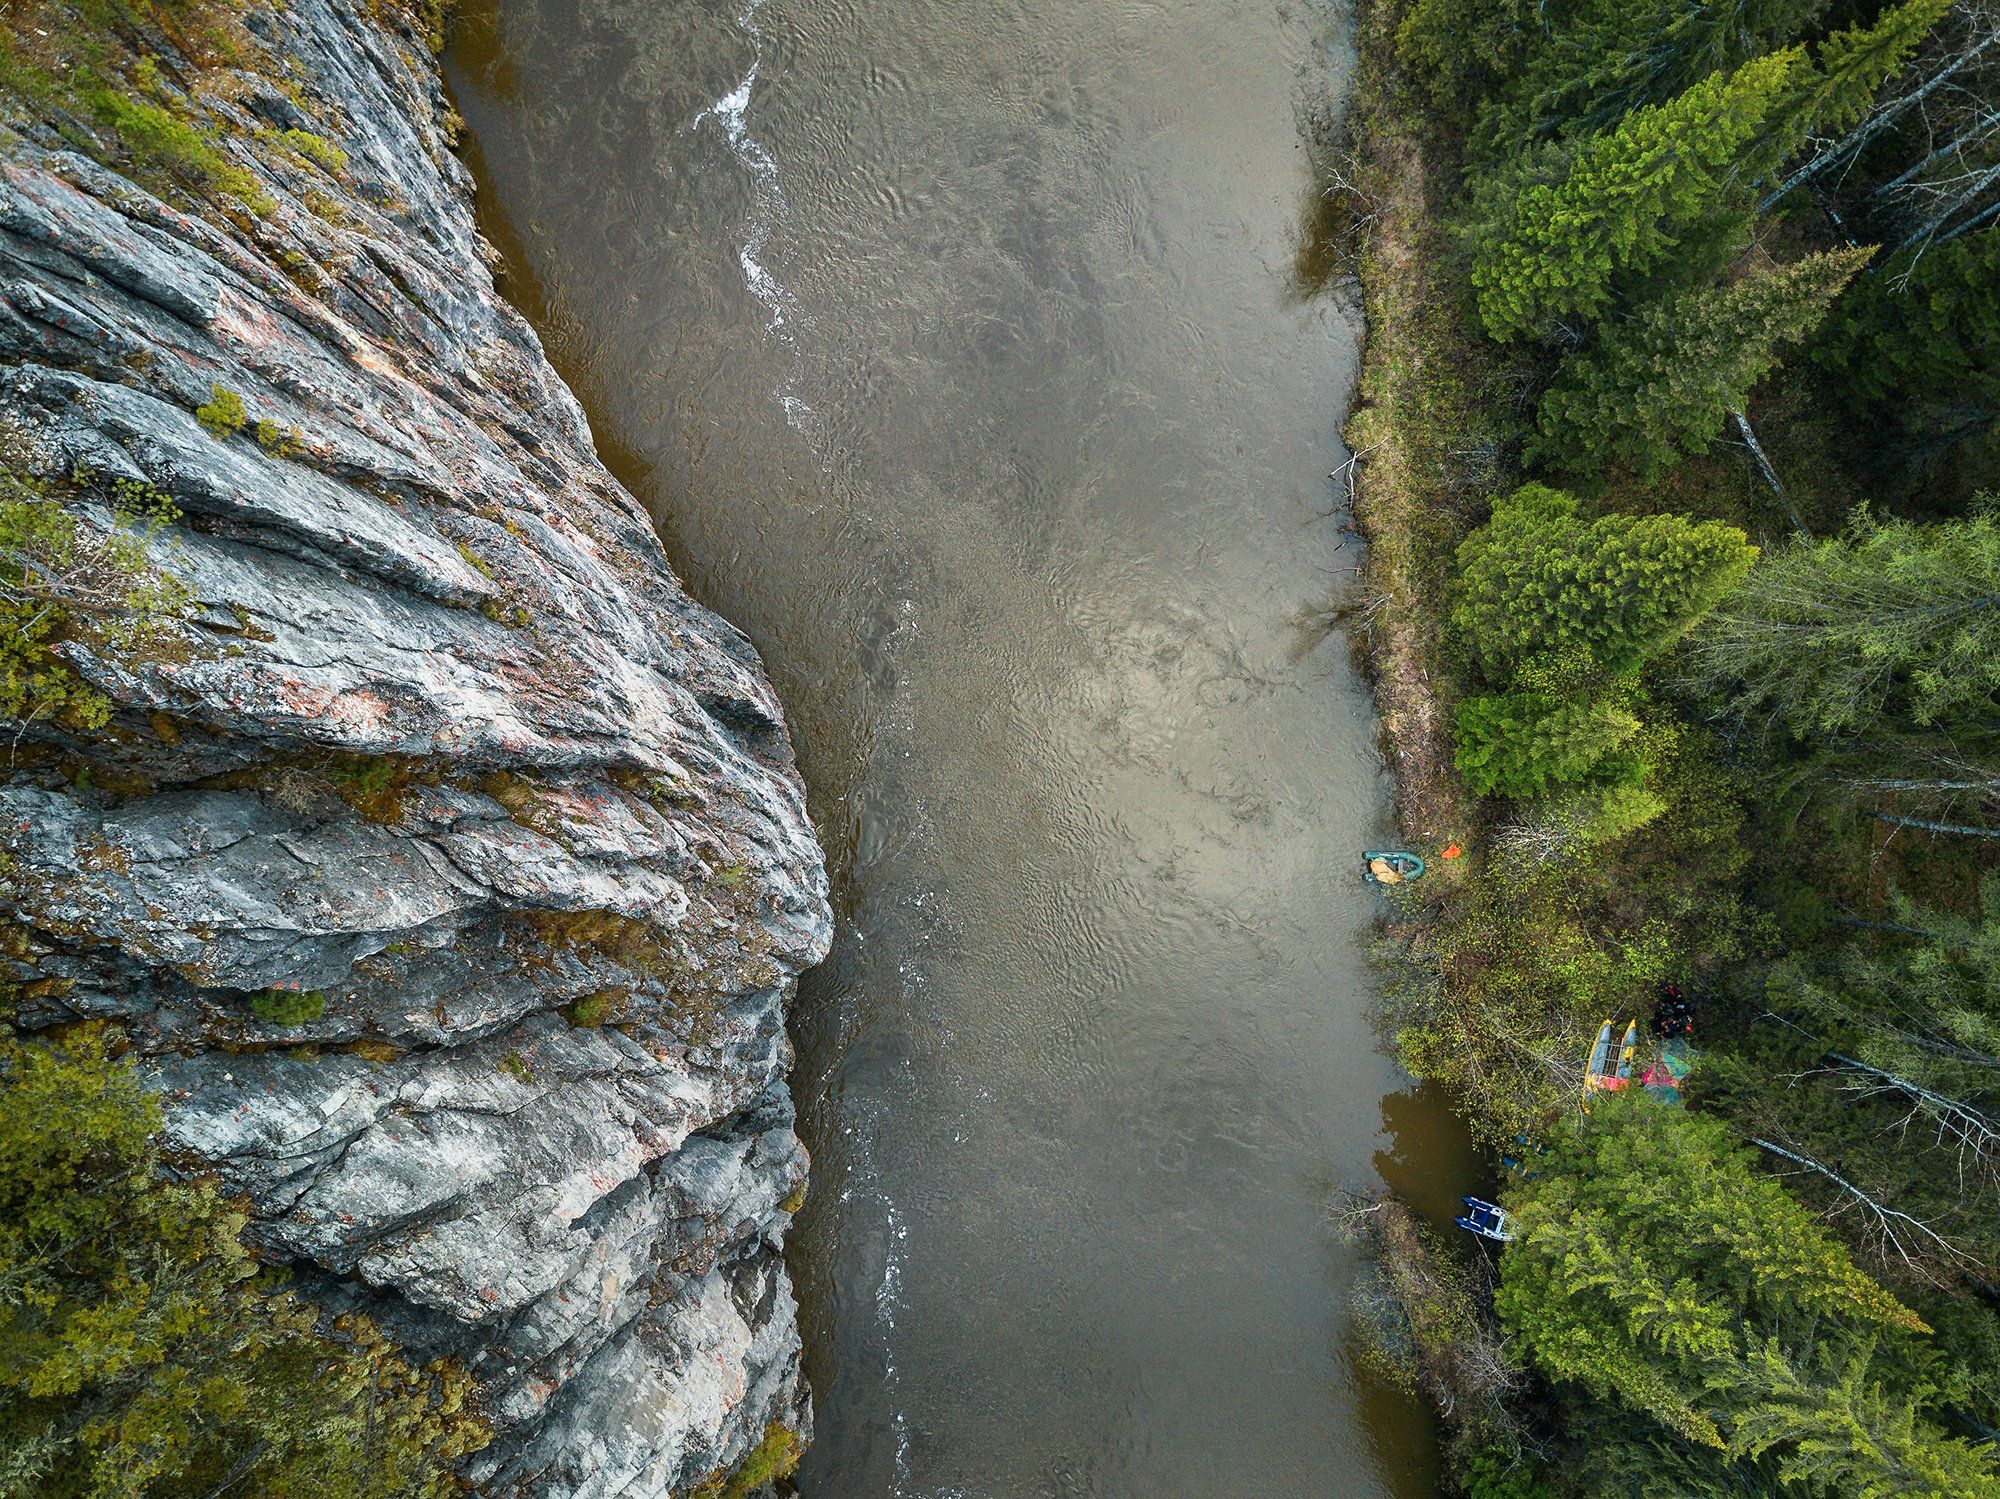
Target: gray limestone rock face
{"type": "Point", "coordinates": [446, 863]}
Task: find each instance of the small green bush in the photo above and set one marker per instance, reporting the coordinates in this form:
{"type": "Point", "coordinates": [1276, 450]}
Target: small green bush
{"type": "Point", "coordinates": [316, 149]}
{"type": "Point", "coordinates": [513, 616]}
{"type": "Point", "coordinates": [288, 1006]}
{"type": "Point", "coordinates": [776, 1457]}
{"type": "Point", "coordinates": [173, 146]}
{"type": "Point", "coordinates": [594, 1009]}
{"type": "Point", "coordinates": [222, 414]}
{"type": "Point", "coordinates": [376, 786]}
{"type": "Point", "coordinates": [279, 442]}
{"type": "Point", "coordinates": [1524, 744]}
{"type": "Point", "coordinates": [476, 562]}
{"type": "Point", "coordinates": [60, 580]}
{"type": "Point", "coordinates": [1492, 1473]}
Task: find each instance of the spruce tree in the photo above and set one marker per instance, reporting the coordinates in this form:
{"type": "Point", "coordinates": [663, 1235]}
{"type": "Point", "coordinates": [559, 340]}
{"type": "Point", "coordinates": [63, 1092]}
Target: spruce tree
{"type": "Point", "coordinates": [1538, 581]}
{"type": "Point", "coordinates": [1454, 50]}
{"type": "Point", "coordinates": [1656, 1269]}
{"type": "Point", "coordinates": [1524, 744]}
{"type": "Point", "coordinates": [1662, 384]}
{"type": "Point", "coordinates": [1550, 231]}
{"type": "Point", "coordinates": [1595, 61]}
{"type": "Point", "coordinates": [1849, 69]}
{"type": "Point", "coordinates": [1924, 326]}
{"type": "Point", "coordinates": [1889, 626]}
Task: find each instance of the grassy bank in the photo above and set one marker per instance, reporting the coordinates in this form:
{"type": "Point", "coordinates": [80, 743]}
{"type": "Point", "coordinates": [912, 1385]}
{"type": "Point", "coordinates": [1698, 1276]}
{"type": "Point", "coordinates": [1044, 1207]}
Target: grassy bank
{"type": "Point", "coordinates": [1421, 463]}
{"type": "Point", "coordinates": [1599, 478]}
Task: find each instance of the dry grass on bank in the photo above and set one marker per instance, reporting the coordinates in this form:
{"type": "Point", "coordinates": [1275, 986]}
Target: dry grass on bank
{"type": "Point", "coordinates": [1422, 463]}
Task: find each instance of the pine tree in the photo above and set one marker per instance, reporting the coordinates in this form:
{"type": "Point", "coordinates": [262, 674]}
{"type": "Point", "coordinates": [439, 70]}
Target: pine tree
{"type": "Point", "coordinates": [1537, 581]}
{"type": "Point", "coordinates": [1888, 626]}
{"type": "Point", "coordinates": [1551, 230]}
{"type": "Point", "coordinates": [1454, 50]}
{"type": "Point", "coordinates": [1849, 70]}
{"type": "Point", "coordinates": [1662, 384]}
{"type": "Point", "coordinates": [1831, 1428]}
{"type": "Point", "coordinates": [1595, 61]}
{"type": "Point", "coordinates": [1524, 744]}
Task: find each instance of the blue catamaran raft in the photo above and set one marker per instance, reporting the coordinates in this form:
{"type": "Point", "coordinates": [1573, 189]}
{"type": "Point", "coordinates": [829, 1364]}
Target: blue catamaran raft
{"type": "Point", "coordinates": [1487, 1219]}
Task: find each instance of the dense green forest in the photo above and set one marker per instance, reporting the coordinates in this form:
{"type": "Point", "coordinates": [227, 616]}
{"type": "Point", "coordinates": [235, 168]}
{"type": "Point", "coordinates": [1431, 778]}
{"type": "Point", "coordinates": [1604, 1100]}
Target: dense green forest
{"type": "Point", "coordinates": [1680, 461]}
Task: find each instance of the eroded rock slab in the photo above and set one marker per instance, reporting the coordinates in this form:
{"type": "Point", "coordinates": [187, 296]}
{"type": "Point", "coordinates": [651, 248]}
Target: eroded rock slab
{"type": "Point", "coordinates": [448, 866]}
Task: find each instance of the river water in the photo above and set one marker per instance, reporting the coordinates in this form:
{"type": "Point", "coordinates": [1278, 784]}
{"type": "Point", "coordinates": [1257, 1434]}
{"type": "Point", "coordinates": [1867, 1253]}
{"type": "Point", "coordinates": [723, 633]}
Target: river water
{"type": "Point", "coordinates": [973, 359]}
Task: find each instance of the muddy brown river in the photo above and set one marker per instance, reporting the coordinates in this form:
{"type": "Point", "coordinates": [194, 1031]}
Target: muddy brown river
{"type": "Point", "coordinates": [973, 359]}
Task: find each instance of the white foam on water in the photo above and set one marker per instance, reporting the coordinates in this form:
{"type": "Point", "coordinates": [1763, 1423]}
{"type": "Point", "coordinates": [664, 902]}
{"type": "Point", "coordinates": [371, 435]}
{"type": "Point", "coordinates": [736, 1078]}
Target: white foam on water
{"type": "Point", "coordinates": [768, 207]}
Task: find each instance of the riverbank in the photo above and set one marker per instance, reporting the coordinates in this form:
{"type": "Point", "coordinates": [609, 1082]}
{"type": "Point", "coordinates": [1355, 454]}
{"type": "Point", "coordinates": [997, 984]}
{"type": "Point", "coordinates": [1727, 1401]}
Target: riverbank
{"type": "Point", "coordinates": [1709, 870]}
{"type": "Point", "coordinates": [1425, 1319]}
{"type": "Point", "coordinates": [1410, 433]}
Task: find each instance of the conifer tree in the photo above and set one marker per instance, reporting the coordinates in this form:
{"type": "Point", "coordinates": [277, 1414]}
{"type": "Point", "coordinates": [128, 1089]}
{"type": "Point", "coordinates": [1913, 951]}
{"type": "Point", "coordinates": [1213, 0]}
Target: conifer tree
{"type": "Point", "coordinates": [1656, 1269]}
{"type": "Point", "coordinates": [1662, 384]}
{"type": "Point", "coordinates": [1849, 69]}
{"type": "Point", "coordinates": [141, 1353]}
{"type": "Point", "coordinates": [1551, 230]}
{"type": "Point", "coordinates": [1917, 1015]}
{"type": "Point", "coordinates": [1593, 62]}
{"type": "Point", "coordinates": [1890, 625]}
{"type": "Point", "coordinates": [1537, 581]}
{"type": "Point", "coordinates": [1926, 326]}
{"type": "Point", "coordinates": [1524, 744]}
{"type": "Point", "coordinates": [1454, 50]}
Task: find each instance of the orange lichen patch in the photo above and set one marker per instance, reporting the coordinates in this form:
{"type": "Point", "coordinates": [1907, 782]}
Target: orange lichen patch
{"type": "Point", "coordinates": [245, 321]}
{"type": "Point", "coordinates": [100, 853]}
{"type": "Point", "coordinates": [357, 708]}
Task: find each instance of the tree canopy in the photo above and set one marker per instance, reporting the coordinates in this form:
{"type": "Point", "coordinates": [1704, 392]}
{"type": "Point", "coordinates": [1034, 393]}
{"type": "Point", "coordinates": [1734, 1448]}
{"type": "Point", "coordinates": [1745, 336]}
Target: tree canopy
{"type": "Point", "coordinates": [1538, 580]}
{"type": "Point", "coordinates": [1657, 1268]}
{"type": "Point", "coordinates": [144, 1352]}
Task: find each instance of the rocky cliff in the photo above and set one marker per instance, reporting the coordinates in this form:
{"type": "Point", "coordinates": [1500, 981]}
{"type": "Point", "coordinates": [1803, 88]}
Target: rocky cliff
{"type": "Point", "coordinates": [445, 861]}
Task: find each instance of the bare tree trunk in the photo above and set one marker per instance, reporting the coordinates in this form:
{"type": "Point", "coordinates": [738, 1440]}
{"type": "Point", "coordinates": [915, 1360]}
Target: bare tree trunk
{"type": "Point", "coordinates": [1931, 225]}
{"type": "Point", "coordinates": [1770, 474]}
{"type": "Point", "coordinates": [1845, 148]}
{"type": "Point", "coordinates": [1936, 827]}
{"type": "Point", "coordinates": [1976, 221]}
{"type": "Point", "coordinates": [1891, 1224]}
{"type": "Point", "coordinates": [1979, 131]}
{"type": "Point", "coordinates": [1976, 1133]}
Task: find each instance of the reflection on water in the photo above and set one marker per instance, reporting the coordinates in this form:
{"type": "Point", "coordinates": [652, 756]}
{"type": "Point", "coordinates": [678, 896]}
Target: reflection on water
{"type": "Point", "coordinates": [964, 356]}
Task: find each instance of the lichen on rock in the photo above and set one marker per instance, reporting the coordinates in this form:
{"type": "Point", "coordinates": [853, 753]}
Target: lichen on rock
{"type": "Point", "coordinates": [445, 862]}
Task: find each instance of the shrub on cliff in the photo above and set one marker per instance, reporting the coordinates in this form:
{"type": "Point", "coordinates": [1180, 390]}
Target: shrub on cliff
{"type": "Point", "coordinates": [62, 579]}
{"type": "Point", "coordinates": [142, 1351]}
